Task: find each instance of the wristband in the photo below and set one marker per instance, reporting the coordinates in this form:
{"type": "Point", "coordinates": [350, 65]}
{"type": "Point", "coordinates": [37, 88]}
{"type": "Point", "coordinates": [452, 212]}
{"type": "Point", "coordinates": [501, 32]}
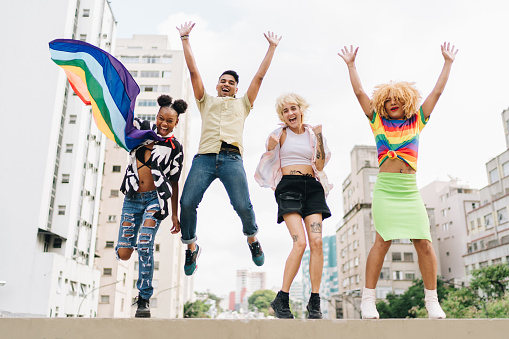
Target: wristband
{"type": "Point", "coordinates": [184, 37]}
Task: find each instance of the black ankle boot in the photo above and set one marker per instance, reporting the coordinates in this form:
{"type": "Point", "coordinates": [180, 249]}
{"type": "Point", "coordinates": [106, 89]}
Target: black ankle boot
{"type": "Point", "coordinates": [281, 306]}
{"type": "Point", "coordinates": [143, 310]}
{"type": "Point", "coordinates": [313, 307]}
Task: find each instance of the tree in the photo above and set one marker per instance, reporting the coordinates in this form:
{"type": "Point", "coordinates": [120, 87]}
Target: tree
{"type": "Point", "coordinates": [210, 296]}
{"type": "Point", "coordinates": [492, 280]}
{"type": "Point", "coordinates": [196, 309]}
{"type": "Point", "coordinates": [261, 300]}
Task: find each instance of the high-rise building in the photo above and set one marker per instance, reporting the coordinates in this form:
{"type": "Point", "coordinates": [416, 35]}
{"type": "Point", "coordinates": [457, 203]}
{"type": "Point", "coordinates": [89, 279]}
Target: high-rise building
{"type": "Point", "coordinates": [158, 70]}
{"type": "Point", "coordinates": [488, 225]}
{"type": "Point", "coordinates": [247, 283]}
{"type": "Point", "coordinates": [451, 201]}
{"type": "Point", "coordinates": [329, 282]}
{"type": "Point", "coordinates": [55, 154]}
{"type": "Point", "coordinates": [356, 234]}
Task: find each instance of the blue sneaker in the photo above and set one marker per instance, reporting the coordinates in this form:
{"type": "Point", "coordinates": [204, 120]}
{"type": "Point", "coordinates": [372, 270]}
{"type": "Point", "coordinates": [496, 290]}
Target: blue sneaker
{"type": "Point", "coordinates": [257, 253]}
{"type": "Point", "coordinates": [191, 257]}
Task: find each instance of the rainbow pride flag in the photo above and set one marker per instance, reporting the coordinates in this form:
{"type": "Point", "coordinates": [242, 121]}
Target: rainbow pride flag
{"type": "Point", "coordinates": [100, 80]}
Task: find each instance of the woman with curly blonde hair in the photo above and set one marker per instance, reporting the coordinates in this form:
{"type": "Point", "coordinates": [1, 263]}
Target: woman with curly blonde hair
{"type": "Point", "coordinates": [398, 210]}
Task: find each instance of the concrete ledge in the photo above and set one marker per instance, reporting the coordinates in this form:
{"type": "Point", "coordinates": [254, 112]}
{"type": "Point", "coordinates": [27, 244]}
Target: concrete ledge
{"type": "Point", "coordinates": [63, 328]}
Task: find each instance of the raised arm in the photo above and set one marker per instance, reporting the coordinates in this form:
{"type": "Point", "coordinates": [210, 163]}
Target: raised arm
{"type": "Point", "coordinates": [254, 87]}
{"type": "Point", "coordinates": [449, 55]}
{"type": "Point", "coordinates": [349, 57]}
{"type": "Point", "coordinates": [196, 81]}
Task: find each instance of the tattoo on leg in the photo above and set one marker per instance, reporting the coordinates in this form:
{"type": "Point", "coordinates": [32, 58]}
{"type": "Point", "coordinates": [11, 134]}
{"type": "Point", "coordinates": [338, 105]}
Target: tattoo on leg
{"type": "Point", "coordinates": [295, 238]}
{"type": "Point", "coordinates": [316, 227]}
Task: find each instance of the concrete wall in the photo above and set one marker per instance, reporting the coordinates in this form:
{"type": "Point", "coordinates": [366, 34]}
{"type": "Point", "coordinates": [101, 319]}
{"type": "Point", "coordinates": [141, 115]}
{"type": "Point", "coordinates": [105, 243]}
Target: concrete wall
{"type": "Point", "coordinates": [223, 329]}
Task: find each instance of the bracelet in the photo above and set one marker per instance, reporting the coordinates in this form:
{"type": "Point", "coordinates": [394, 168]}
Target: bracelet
{"type": "Point", "coordinates": [184, 37]}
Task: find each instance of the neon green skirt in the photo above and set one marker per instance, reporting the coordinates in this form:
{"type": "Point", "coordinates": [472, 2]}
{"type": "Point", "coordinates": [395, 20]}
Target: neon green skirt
{"type": "Point", "coordinates": [398, 209]}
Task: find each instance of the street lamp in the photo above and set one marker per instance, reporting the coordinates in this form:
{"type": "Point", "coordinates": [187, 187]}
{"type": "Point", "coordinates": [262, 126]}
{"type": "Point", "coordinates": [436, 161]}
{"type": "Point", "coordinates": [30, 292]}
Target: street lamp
{"type": "Point", "coordinates": [86, 295]}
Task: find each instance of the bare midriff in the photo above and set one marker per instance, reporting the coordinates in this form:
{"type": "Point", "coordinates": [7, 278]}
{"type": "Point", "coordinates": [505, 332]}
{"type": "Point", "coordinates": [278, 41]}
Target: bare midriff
{"type": "Point", "coordinates": [306, 170]}
{"type": "Point", "coordinates": [145, 174]}
{"type": "Point", "coordinates": [396, 166]}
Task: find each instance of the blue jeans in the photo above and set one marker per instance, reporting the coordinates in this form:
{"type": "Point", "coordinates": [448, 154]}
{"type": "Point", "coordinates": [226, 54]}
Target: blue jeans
{"type": "Point", "coordinates": [136, 211]}
{"type": "Point", "coordinates": [229, 168]}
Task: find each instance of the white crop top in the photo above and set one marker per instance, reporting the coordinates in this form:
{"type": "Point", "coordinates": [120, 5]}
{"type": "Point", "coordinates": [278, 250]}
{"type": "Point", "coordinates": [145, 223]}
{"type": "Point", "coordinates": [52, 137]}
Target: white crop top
{"type": "Point", "coordinates": [296, 149]}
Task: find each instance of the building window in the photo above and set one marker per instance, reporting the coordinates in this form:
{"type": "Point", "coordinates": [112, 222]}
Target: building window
{"type": "Point", "coordinates": [494, 176]}
{"type": "Point", "coordinates": [467, 269]}
{"type": "Point", "coordinates": [72, 119]}
{"type": "Point", "coordinates": [148, 88]}
{"type": "Point", "coordinates": [112, 218]}
{"type": "Point", "coordinates": [445, 227]}
{"type": "Point", "coordinates": [109, 244]}
{"type": "Point", "coordinates": [130, 59]}
{"type": "Point", "coordinates": [149, 74]}
{"type": "Point", "coordinates": [505, 169]}
{"type": "Point", "coordinates": [68, 148]}
{"type": "Point", "coordinates": [166, 74]}
{"type": "Point", "coordinates": [496, 261]}
{"type": "Point", "coordinates": [472, 224]}
{"type": "Point", "coordinates": [157, 247]}
{"type": "Point", "coordinates": [151, 59]}
{"type": "Point", "coordinates": [396, 256]}
{"type": "Point", "coordinates": [116, 168]}
{"type": "Point", "coordinates": [488, 220]}
{"type": "Point", "coordinates": [134, 74]}
{"type": "Point", "coordinates": [134, 283]}
{"type": "Point", "coordinates": [408, 256]}
{"type": "Point", "coordinates": [502, 215]}
{"type": "Point", "coordinates": [166, 59]}
{"type": "Point", "coordinates": [105, 299]}
{"type": "Point", "coordinates": [86, 13]}
{"type": "Point", "coordinates": [57, 243]}
{"type": "Point", "coordinates": [136, 265]}
{"type": "Point", "coordinates": [114, 193]}
{"type": "Point", "coordinates": [483, 264]}
{"type": "Point", "coordinates": [107, 271]}
{"type": "Point", "coordinates": [65, 178]}
{"type": "Point", "coordinates": [156, 265]}
{"type": "Point", "coordinates": [479, 224]}
{"type": "Point", "coordinates": [385, 274]}
{"type": "Point", "coordinates": [397, 275]}
{"type": "Point", "coordinates": [147, 103]}
{"type": "Point", "coordinates": [356, 261]}
{"type": "Point", "coordinates": [409, 275]}
{"type": "Point", "coordinates": [83, 37]}
{"type": "Point", "coordinates": [444, 213]}
{"type": "Point", "coordinates": [164, 88]}
{"type": "Point", "coordinates": [61, 209]}
{"type": "Point", "coordinates": [73, 288]}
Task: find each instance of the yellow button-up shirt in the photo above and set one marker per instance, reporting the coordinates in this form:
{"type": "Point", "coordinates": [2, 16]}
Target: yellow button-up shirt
{"type": "Point", "coordinates": [222, 119]}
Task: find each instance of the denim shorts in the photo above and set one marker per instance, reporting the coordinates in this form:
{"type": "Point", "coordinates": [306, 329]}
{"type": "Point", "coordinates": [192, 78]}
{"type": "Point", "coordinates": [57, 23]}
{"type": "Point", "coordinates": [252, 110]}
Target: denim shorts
{"type": "Point", "coordinates": [300, 194]}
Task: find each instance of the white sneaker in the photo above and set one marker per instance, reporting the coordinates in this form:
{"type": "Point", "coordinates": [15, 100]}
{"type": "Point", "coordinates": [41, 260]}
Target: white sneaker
{"type": "Point", "coordinates": [432, 305]}
{"type": "Point", "coordinates": [368, 304]}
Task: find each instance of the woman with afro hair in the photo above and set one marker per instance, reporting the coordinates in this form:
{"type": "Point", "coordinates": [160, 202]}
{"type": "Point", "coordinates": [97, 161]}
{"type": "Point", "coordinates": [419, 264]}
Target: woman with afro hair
{"type": "Point", "coordinates": [151, 179]}
{"type": "Point", "coordinates": [396, 119]}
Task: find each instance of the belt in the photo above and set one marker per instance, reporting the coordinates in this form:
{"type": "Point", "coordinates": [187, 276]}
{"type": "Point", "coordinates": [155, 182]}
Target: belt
{"type": "Point", "coordinates": [229, 148]}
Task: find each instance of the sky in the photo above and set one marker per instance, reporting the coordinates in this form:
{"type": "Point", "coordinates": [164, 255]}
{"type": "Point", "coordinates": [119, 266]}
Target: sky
{"type": "Point", "coordinates": [398, 40]}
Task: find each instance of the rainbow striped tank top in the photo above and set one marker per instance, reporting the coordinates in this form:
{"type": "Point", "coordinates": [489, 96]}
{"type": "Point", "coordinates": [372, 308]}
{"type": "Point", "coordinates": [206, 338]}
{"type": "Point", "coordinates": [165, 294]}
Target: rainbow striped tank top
{"type": "Point", "coordinates": [398, 138]}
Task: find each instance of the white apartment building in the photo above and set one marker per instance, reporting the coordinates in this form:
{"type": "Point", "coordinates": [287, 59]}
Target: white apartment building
{"type": "Point", "coordinates": [356, 234]}
{"type": "Point", "coordinates": [488, 225]}
{"type": "Point", "coordinates": [158, 70]}
{"type": "Point", "coordinates": [53, 162]}
{"type": "Point", "coordinates": [247, 283]}
{"type": "Point", "coordinates": [451, 201]}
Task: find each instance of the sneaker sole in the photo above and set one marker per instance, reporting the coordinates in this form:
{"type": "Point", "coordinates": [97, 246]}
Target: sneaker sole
{"type": "Point", "coordinates": [142, 315]}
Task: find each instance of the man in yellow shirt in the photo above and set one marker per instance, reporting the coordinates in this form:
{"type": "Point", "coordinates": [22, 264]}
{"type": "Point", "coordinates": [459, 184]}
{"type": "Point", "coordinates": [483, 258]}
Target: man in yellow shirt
{"type": "Point", "coordinates": [220, 151]}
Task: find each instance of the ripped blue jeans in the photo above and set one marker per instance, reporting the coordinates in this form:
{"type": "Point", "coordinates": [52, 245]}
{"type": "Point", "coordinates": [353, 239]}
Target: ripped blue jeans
{"type": "Point", "coordinates": [137, 212]}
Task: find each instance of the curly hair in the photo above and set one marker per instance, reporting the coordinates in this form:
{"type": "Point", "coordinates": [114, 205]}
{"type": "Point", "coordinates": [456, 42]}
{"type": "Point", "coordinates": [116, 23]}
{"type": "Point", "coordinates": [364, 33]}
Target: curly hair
{"type": "Point", "coordinates": [290, 98]}
{"type": "Point", "coordinates": [402, 91]}
{"type": "Point", "coordinates": [180, 106]}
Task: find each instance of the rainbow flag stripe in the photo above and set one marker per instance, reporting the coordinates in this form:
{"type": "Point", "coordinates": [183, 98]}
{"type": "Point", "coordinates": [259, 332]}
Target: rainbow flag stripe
{"type": "Point", "coordinates": [100, 80]}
